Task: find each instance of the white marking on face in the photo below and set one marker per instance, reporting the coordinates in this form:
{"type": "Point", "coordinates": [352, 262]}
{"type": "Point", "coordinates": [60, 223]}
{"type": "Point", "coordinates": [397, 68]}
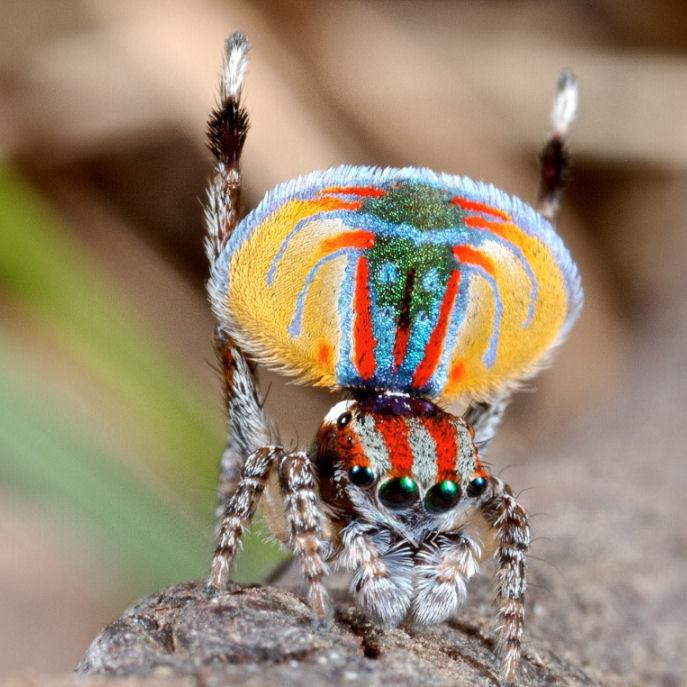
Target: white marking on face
{"type": "Point", "coordinates": [424, 452]}
{"type": "Point", "coordinates": [466, 455]}
{"type": "Point", "coordinates": [373, 445]}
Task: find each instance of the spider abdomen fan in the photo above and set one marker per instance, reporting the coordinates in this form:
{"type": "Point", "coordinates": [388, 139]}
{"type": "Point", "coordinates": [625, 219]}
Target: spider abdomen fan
{"type": "Point", "coordinates": [396, 279]}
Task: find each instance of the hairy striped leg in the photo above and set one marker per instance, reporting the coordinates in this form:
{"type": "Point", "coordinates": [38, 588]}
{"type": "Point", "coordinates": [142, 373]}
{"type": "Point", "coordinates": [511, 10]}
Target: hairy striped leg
{"type": "Point", "coordinates": [485, 418]}
{"type": "Point", "coordinates": [443, 567]}
{"type": "Point", "coordinates": [382, 583]}
{"type": "Point", "coordinates": [304, 515]}
{"type": "Point", "coordinates": [227, 129]}
{"type": "Point", "coordinates": [248, 428]}
{"type": "Point", "coordinates": [510, 521]}
{"type": "Point", "coordinates": [554, 158]}
{"type": "Point", "coordinates": [239, 511]}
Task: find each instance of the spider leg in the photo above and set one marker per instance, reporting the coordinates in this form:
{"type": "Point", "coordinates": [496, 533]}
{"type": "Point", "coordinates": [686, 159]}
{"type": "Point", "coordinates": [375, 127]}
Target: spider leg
{"type": "Point", "coordinates": [485, 418]}
{"type": "Point", "coordinates": [511, 524]}
{"type": "Point", "coordinates": [382, 583]}
{"type": "Point", "coordinates": [443, 567]}
{"type": "Point", "coordinates": [239, 511]}
{"type": "Point", "coordinates": [304, 515]}
{"type": "Point", "coordinates": [554, 158]}
{"type": "Point", "coordinates": [226, 131]}
{"type": "Point", "coordinates": [247, 424]}
{"type": "Point", "coordinates": [248, 428]}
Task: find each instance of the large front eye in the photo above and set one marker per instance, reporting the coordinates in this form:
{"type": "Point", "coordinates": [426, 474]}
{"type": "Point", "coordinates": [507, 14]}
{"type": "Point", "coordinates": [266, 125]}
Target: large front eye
{"type": "Point", "coordinates": [361, 475]}
{"type": "Point", "coordinates": [442, 497]}
{"type": "Point", "coordinates": [398, 493]}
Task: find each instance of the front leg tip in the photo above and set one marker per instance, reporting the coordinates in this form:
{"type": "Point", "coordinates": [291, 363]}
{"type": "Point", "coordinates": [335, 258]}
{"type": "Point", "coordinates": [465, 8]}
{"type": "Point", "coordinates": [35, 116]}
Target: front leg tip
{"type": "Point", "coordinates": [508, 669]}
{"type": "Point", "coordinates": [218, 579]}
{"type": "Point", "coordinates": [322, 608]}
{"type": "Point", "coordinates": [211, 592]}
{"type": "Point", "coordinates": [323, 624]}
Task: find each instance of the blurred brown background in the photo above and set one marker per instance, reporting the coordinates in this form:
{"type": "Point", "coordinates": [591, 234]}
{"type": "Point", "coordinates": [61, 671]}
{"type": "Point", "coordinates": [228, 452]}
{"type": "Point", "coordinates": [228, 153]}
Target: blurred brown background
{"type": "Point", "coordinates": [104, 341]}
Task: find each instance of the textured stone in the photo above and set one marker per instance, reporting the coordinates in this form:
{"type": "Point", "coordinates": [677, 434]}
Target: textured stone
{"type": "Point", "coordinates": [255, 636]}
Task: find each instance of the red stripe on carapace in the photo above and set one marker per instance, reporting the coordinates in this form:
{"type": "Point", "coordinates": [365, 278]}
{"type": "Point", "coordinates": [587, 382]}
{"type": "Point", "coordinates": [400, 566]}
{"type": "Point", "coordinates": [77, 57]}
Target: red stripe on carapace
{"type": "Point", "coordinates": [349, 449]}
{"type": "Point", "coordinates": [473, 257]}
{"type": "Point", "coordinates": [479, 207]}
{"type": "Point", "coordinates": [394, 431]}
{"type": "Point", "coordinates": [436, 340]}
{"type": "Point", "coordinates": [363, 336]}
{"type": "Point", "coordinates": [445, 437]}
{"type": "Point", "coordinates": [352, 239]}
{"type": "Point", "coordinates": [403, 325]}
{"type": "Point", "coordinates": [480, 470]}
{"type": "Point", "coordinates": [355, 191]}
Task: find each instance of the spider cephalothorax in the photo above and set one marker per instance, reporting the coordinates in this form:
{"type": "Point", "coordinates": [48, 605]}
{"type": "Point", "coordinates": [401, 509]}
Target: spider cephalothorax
{"type": "Point", "coordinates": [404, 289]}
{"type": "Point", "coordinates": [406, 474]}
{"type": "Point", "coordinates": [399, 460]}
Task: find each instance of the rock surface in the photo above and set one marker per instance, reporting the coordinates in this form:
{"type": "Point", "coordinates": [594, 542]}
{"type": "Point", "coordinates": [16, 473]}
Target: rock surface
{"type": "Point", "coordinates": [255, 636]}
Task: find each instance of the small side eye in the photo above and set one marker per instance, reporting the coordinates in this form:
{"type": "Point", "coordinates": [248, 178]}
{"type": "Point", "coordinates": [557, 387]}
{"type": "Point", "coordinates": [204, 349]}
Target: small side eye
{"type": "Point", "coordinates": [343, 419]}
{"type": "Point", "coordinates": [477, 486]}
{"type": "Point", "coordinates": [442, 497]}
{"type": "Point", "coordinates": [361, 475]}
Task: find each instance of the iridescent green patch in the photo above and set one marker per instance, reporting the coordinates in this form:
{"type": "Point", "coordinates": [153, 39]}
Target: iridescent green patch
{"type": "Point", "coordinates": [423, 207]}
{"type": "Point", "coordinates": [402, 268]}
{"type": "Point", "coordinates": [404, 256]}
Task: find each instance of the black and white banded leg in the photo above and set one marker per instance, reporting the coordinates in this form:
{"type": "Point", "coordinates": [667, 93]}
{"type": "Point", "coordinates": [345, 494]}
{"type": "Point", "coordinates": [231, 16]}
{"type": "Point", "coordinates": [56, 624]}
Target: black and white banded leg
{"type": "Point", "coordinates": [298, 487]}
{"type": "Point", "coordinates": [227, 129]}
{"type": "Point", "coordinates": [248, 429]}
{"type": "Point", "coordinates": [511, 524]}
{"type": "Point", "coordinates": [554, 158]}
{"type": "Point", "coordinates": [239, 511]}
{"type": "Point", "coordinates": [304, 516]}
{"type": "Point", "coordinates": [442, 569]}
{"type": "Point", "coordinates": [382, 582]}
{"type": "Point", "coordinates": [247, 425]}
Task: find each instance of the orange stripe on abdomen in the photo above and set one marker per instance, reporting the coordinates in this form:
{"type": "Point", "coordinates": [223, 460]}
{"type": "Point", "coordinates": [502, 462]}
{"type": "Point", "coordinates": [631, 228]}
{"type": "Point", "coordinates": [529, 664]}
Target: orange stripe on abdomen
{"type": "Point", "coordinates": [351, 239]}
{"type": "Point", "coordinates": [470, 256]}
{"type": "Point", "coordinates": [507, 230]}
{"type": "Point", "coordinates": [479, 207]}
{"type": "Point", "coordinates": [436, 341]}
{"type": "Point", "coordinates": [363, 336]}
{"type": "Point", "coordinates": [355, 191]}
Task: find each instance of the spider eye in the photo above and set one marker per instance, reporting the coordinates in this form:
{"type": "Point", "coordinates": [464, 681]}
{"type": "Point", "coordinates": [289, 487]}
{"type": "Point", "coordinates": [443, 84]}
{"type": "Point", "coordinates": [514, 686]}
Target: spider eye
{"type": "Point", "coordinates": [477, 486]}
{"type": "Point", "coordinates": [343, 419]}
{"type": "Point", "coordinates": [398, 493]}
{"type": "Point", "coordinates": [361, 475]}
{"type": "Point", "coordinates": [443, 496]}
